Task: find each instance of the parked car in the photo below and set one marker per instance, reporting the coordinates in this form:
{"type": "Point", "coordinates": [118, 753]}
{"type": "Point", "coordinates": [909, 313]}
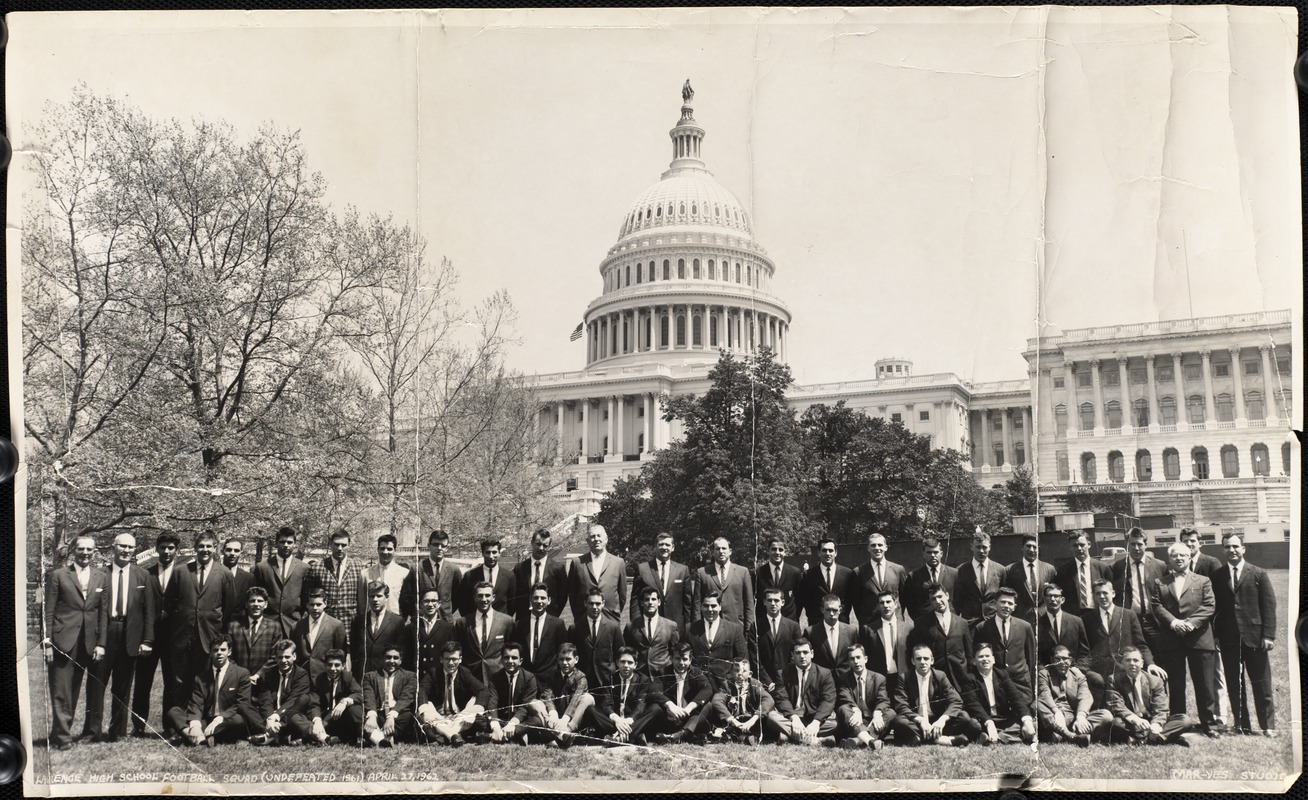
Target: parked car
{"type": "Point", "coordinates": [1112, 553]}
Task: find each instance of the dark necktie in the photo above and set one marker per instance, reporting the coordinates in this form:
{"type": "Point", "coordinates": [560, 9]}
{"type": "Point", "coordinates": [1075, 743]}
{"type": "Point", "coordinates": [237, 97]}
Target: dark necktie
{"type": "Point", "coordinates": [449, 697]}
{"type": "Point", "coordinates": [122, 592]}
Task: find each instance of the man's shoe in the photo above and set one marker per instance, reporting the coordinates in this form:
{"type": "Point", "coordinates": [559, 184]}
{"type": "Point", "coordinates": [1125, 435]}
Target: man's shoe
{"type": "Point", "coordinates": [961, 741]}
{"type": "Point", "coordinates": [107, 738]}
{"type": "Point", "coordinates": [1081, 740]}
{"type": "Point", "coordinates": [141, 733]}
{"type": "Point", "coordinates": [209, 742]}
{"type": "Point", "coordinates": [62, 746]}
{"type": "Point", "coordinates": [1270, 733]}
{"type": "Point", "coordinates": [87, 736]}
{"type": "Point", "coordinates": [851, 744]}
{"type": "Point", "coordinates": [333, 740]}
{"type": "Point", "coordinates": [456, 740]}
{"type": "Point", "coordinates": [261, 740]}
{"type": "Point", "coordinates": [751, 740]}
{"type": "Point", "coordinates": [386, 743]}
{"type": "Point", "coordinates": [877, 744]}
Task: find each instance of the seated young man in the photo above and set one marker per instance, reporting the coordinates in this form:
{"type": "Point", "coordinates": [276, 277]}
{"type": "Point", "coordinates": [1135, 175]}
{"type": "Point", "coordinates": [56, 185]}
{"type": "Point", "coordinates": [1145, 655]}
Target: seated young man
{"type": "Point", "coordinates": [621, 713]}
{"type": "Point", "coordinates": [388, 700]}
{"type": "Point", "coordinates": [282, 697]}
{"type": "Point", "coordinates": [991, 698]}
{"type": "Point", "coordinates": [863, 710]}
{"type": "Point", "coordinates": [680, 696]}
{"type": "Point", "coordinates": [740, 706]}
{"type": "Point", "coordinates": [220, 701]}
{"type": "Point", "coordinates": [805, 711]}
{"type": "Point", "coordinates": [451, 700]}
{"type": "Point", "coordinates": [562, 699]}
{"type": "Point", "coordinates": [335, 704]}
{"type": "Point", "coordinates": [512, 708]}
{"type": "Point", "coordinates": [1065, 705]}
{"type": "Point", "coordinates": [1139, 705]}
{"type": "Point", "coordinates": [927, 708]}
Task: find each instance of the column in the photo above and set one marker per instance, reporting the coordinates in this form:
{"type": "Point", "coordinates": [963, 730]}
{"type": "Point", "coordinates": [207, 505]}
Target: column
{"type": "Point", "coordinates": [986, 455]}
{"type": "Point", "coordinates": [1152, 380]}
{"type": "Point", "coordinates": [1040, 399]}
{"type": "Point", "coordinates": [1006, 437]}
{"type": "Point", "coordinates": [613, 428]}
{"type": "Point", "coordinates": [558, 434]}
{"type": "Point", "coordinates": [585, 430]}
{"type": "Point", "coordinates": [1122, 376]}
{"type": "Point", "coordinates": [722, 327]}
{"type": "Point", "coordinates": [938, 424]}
{"type": "Point", "coordinates": [620, 447]}
{"type": "Point", "coordinates": [1099, 397]}
{"type": "Point", "coordinates": [1237, 372]}
{"type": "Point", "coordinates": [1030, 438]}
{"type": "Point", "coordinates": [1178, 381]}
{"type": "Point", "coordinates": [650, 405]}
{"type": "Point", "coordinates": [1210, 406]}
{"type": "Point", "coordinates": [1271, 409]}
{"type": "Point", "coordinates": [1073, 411]}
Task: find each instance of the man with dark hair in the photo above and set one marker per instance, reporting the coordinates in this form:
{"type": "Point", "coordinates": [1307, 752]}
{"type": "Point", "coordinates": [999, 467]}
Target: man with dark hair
{"type": "Point", "coordinates": [805, 711]}
{"type": "Point", "coordinates": [598, 569]}
{"type": "Point", "coordinates": [928, 710]}
{"type": "Point", "coordinates": [1109, 631]}
{"type": "Point", "coordinates": [732, 583]}
{"type": "Point", "coordinates": [564, 698]}
{"type": "Point", "coordinates": [621, 713]}
{"type": "Point", "coordinates": [340, 579]}
{"type": "Point", "coordinates": [680, 695]}
{"type": "Point", "coordinates": [491, 573]}
{"type": "Point", "coordinates": [716, 642]}
{"type": "Point", "coordinates": [947, 634]}
{"type": "Point", "coordinates": [388, 571]}
{"type": "Point", "coordinates": [1012, 641]}
{"type": "Point", "coordinates": [824, 578]}
{"type": "Point", "coordinates": [426, 635]}
{"type": "Point", "coordinates": [978, 582]}
{"type": "Point", "coordinates": [483, 632]}
{"type": "Point", "coordinates": [253, 635]}
{"type": "Point", "coordinates": [933, 570]}
{"type": "Point", "coordinates": [220, 707]}
{"type": "Point", "coordinates": [540, 632]}
{"type": "Point", "coordinates": [831, 638]}
{"type": "Point", "coordinates": [775, 635]}
{"type": "Point", "coordinates": [678, 599]}
{"type": "Point", "coordinates": [1184, 608]}
{"type": "Point", "coordinates": [541, 566]}
{"type": "Point", "coordinates": [389, 696]}
{"type": "Point", "coordinates": [997, 704]}
{"type": "Point", "coordinates": [1246, 629]}
{"type": "Point", "coordinates": [1056, 627]}
{"type": "Point", "coordinates": [886, 641]}
{"type": "Point", "coordinates": [375, 630]}
{"type": "Point", "coordinates": [206, 599]}
{"type": "Point", "coordinates": [242, 579]}
{"type": "Point", "coordinates": [1132, 578]}
{"type": "Point", "coordinates": [451, 699]}
{"type": "Point", "coordinates": [126, 627]}
{"type": "Point", "coordinates": [432, 572]}
{"type": "Point", "coordinates": [282, 576]}
{"type": "Point", "coordinates": [162, 655]}
{"type": "Point", "coordinates": [1077, 576]}
{"type": "Point", "coordinates": [739, 707]}
{"type": "Point", "coordinates": [863, 709]}
{"type": "Point", "coordinates": [874, 576]}
{"type": "Point", "coordinates": [1026, 576]}
{"type": "Point", "coordinates": [654, 638]}
{"type": "Point", "coordinates": [1065, 704]}
{"type": "Point", "coordinates": [316, 634]}
{"type": "Point", "coordinates": [775, 573]}
{"type": "Point", "coordinates": [512, 708]}
{"type": "Point", "coordinates": [282, 696]}
{"type": "Point", "coordinates": [336, 704]}
{"type": "Point", "coordinates": [1138, 702]}
{"type": "Point", "coordinates": [597, 637]}
{"type": "Point", "coordinates": [1200, 562]}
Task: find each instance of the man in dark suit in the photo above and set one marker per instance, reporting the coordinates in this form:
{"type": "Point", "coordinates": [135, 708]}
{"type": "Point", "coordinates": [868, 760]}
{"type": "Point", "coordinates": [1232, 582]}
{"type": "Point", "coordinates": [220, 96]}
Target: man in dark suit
{"type": "Point", "coordinates": [126, 621]}
{"type": "Point", "coordinates": [1077, 577]}
{"type": "Point", "coordinates": [875, 575]}
{"type": "Point", "coordinates": [927, 707]}
{"type": "Point", "coordinates": [979, 580]}
{"type": "Point", "coordinates": [1132, 577]}
{"type": "Point", "coordinates": [863, 710]}
{"type": "Point", "coordinates": [827, 577]}
{"type": "Point", "coordinates": [282, 577]}
{"type": "Point", "coordinates": [1065, 704]}
{"type": "Point", "coordinates": [832, 638]}
{"type": "Point", "coordinates": [512, 711]}
{"type": "Point", "coordinates": [1057, 627]}
{"type": "Point", "coordinates": [738, 709]}
{"type": "Point", "coordinates": [678, 600]}
{"type": "Point", "coordinates": [426, 635]}
{"type": "Point", "coordinates": [681, 695]}
{"type": "Point", "coordinates": [775, 635]}
{"type": "Point", "coordinates": [220, 705]}
{"type": "Point", "coordinates": [161, 656]}
{"type": "Point", "coordinates": [886, 642]}
{"type": "Point", "coordinates": [205, 601]}
{"type": "Point", "coordinates": [490, 572]}
{"type": "Point", "coordinates": [316, 634]}
{"type": "Point", "coordinates": [1200, 562]}
{"type": "Point", "coordinates": [253, 634]}
{"type": "Point", "coordinates": [1184, 608]}
{"type": "Point", "coordinates": [1026, 576]}
{"type": "Point", "coordinates": [805, 711]}
{"type": "Point", "coordinates": [451, 699]}
{"type": "Point", "coordinates": [484, 633]}
{"type": "Point", "coordinates": [716, 642]}
{"type": "Point", "coordinates": [621, 712]}
{"type": "Point", "coordinates": [374, 631]}
{"type": "Point", "coordinates": [241, 579]}
{"type": "Point", "coordinates": [915, 600]}
{"type": "Point", "coordinates": [947, 634]}
{"type": "Point", "coordinates": [597, 637]}
{"type": "Point", "coordinates": [282, 697]}
{"type": "Point", "coordinates": [432, 572]}
{"type": "Point", "coordinates": [1139, 705]}
{"type": "Point", "coordinates": [336, 703]}
{"type": "Point", "coordinates": [1109, 631]}
{"type": "Point", "coordinates": [1012, 641]}
{"type": "Point", "coordinates": [598, 569]}
{"type": "Point", "coordinates": [389, 698]}
{"type": "Point", "coordinates": [654, 638]}
{"type": "Point", "coordinates": [540, 567]}
{"type": "Point", "coordinates": [995, 702]}
{"type": "Point", "coordinates": [540, 632]}
{"type": "Point", "coordinates": [775, 573]}
{"type": "Point", "coordinates": [1246, 629]}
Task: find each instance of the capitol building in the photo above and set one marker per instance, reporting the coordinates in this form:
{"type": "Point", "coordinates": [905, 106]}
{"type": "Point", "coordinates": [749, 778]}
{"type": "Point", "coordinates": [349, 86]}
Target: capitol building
{"type": "Point", "coordinates": [1191, 416]}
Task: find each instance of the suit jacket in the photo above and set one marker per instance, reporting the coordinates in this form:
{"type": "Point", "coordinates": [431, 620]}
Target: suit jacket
{"type": "Point", "coordinates": [1073, 689]}
{"type": "Point", "coordinates": [254, 652]}
{"type": "Point", "coordinates": [1071, 634]}
{"type": "Point", "coordinates": [1196, 605]}
{"type": "Point", "coordinates": [874, 698]}
{"type": "Point", "coordinates": [241, 583]}
{"type": "Point", "coordinates": [138, 626]}
{"type": "Point", "coordinates": [485, 661]}
{"type": "Point", "coordinates": [1205, 565]}
{"type": "Point", "coordinates": [817, 696]}
{"type": "Point", "coordinates": [597, 657]}
{"type": "Point", "coordinates": [973, 602]}
{"type": "Point", "coordinates": [697, 688]}
{"type": "Point", "coordinates": [510, 703]}
{"type": "Point", "coordinates": [1106, 645]}
{"type": "Point", "coordinates": [652, 655]}
{"type": "Point", "coordinates": [296, 699]}
{"type": "Point", "coordinates": [727, 645]}
{"type": "Point", "coordinates": [1066, 580]}
{"type": "Point", "coordinates": [202, 610]}
{"type": "Point", "coordinates": [866, 587]}
{"type": "Point", "coordinates": [554, 575]}
{"type": "Point", "coordinates": [1246, 616]}
{"type": "Point", "coordinates": [552, 634]}
{"type": "Point", "coordinates": [1011, 703]}
{"type": "Point", "coordinates": [323, 698]}
{"type": "Point", "coordinates": [611, 581]}
{"type": "Point", "coordinates": [1121, 698]}
{"type": "Point", "coordinates": [736, 592]}
{"type": "Point", "coordinates": [609, 698]}
{"type": "Point", "coordinates": [1151, 569]}
{"type": "Point", "coordinates": [419, 580]}
{"type": "Point", "coordinates": [757, 700]}
{"type": "Point", "coordinates": [837, 662]}
{"type": "Point", "coordinates": [873, 635]}
{"type": "Point", "coordinates": [423, 650]}
{"type": "Point", "coordinates": [952, 649]}
{"type": "Point", "coordinates": [284, 596]}
{"type": "Point", "coordinates": [165, 605]}
{"type": "Point", "coordinates": [404, 690]}
{"type": "Point", "coordinates": [564, 692]}
{"type": "Point", "coordinates": [914, 598]}
{"type": "Point", "coordinates": [680, 603]}
{"type": "Point", "coordinates": [368, 648]}
{"type": "Point", "coordinates": [774, 652]}
{"type": "Point", "coordinates": [1029, 599]}
{"type": "Point", "coordinates": [506, 589]}
{"type": "Point", "coordinates": [943, 700]}
{"type": "Point", "coordinates": [1018, 658]}
{"type": "Point", "coordinates": [791, 576]}
{"type": "Point", "coordinates": [346, 596]}
{"type": "Point", "coordinates": [71, 615]}
{"type": "Point", "coordinates": [233, 696]}
{"type": "Point", "coordinates": [813, 587]}
{"type": "Point", "coordinates": [467, 686]}
{"type": "Point", "coordinates": [331, 636]}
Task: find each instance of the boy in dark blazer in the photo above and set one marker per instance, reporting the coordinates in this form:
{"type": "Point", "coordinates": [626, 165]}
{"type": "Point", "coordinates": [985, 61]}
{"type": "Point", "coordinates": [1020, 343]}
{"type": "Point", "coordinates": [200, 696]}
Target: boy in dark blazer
{"type": "Point", "coordinates": [220, 708]}
{"type": "Point", "coordinates": [336, 703]}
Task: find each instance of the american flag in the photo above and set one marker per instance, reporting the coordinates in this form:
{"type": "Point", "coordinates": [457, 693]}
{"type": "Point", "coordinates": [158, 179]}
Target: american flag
{"type": "Point", "coordinates": [576, 332]}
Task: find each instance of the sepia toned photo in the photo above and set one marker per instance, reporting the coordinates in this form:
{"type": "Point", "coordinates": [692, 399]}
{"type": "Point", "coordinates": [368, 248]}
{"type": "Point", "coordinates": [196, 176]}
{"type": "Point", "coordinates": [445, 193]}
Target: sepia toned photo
{"type": "Point", "coordinates": [732, 400]}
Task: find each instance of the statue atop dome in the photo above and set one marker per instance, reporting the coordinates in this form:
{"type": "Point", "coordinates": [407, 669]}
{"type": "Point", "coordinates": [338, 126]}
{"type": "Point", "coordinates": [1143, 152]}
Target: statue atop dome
{"type": "Point", "coordinates": [687, 93]}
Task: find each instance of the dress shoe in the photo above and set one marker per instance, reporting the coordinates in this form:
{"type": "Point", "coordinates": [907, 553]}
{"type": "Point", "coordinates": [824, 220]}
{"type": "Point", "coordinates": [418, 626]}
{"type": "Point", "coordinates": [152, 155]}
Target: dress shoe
{"type": "Point", "coordinates": [385, 743]}
{"type": "Point", "coordinates": [260, 740]}
{"type": "Point", "coordinates": [640, 740]}
{"type": "Point", "coordinates": [87, 736]}
{"type": "Point", "coordinates": [107, 738]}
{"type": "Point", "coordinates": [332, 740]}
{"type": "Point", "coordinates": [1269, 733]}
{"type": "Point", "coordinates": [140, 733]}
{"type": "Point", "coordinates": [851, 744]}
{"type": "Point", "coordinates": [877, 744]}
{"type": "Point", "coordinates": [455, 741]}
{"type": "Point", "coordinates": [208, 741]}
{"type": "Point", "coordinates": [62, 746]}
{"type": "Point", "coordinates": [961, 741]}
{"type": "Point", "coordinates": [751, 740]}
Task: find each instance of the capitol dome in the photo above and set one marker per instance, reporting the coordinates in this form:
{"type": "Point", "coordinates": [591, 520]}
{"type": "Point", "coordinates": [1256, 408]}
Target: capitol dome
{"type": "Point", "coordinates": [689, 197]}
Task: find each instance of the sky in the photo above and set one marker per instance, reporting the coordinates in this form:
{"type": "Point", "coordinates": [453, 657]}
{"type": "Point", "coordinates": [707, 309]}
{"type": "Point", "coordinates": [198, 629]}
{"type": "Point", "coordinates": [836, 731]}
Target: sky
{"type": "Point", "coordinates": [935, 184]}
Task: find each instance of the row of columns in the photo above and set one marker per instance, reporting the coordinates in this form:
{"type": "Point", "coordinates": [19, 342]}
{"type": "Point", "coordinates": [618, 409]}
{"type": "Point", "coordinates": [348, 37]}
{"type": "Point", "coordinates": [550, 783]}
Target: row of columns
{"type": "Point", "coordinates": [640, 330]}
{"type": "Point", "coordinates": [1006, 434]}
{"type": "Point", "coordinates": [620, 276]}
{"type": "Point", "coordinates": [655, 430]}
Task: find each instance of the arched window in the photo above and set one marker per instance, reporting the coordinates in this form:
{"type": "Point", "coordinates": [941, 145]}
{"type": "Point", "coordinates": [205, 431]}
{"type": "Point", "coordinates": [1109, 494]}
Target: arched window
{"type": "Point", "coordinates": [713, 331]}
{"type": "Point", "coordinates": [1114, 414]}
{"type": "Point", "coordinates": [1116, 467]}
{"type": "Point", "coordinates": [1261, 459]}
{"type": "Point", "coordinates": [1088, 468]}
{"type": "Point", "coordinates": [663, 331]}
{"type": "Point", "coordinates": [1167, 411]}
{"type": "Point", "coordinates": [681, 269]}
{"type": "Point", "coordinates": [1144, 466]}
{"type": "Point", "coordinates": [628, 274]}
{"type": "Point", "coordinates": [652, 271]}
{"type": "Point", "coordinates": [1171, 464]}
{"type": "Point", "coordinates": [639, 270]}
{"type": "Point", "coordinates": [667, 270]}
{"type": "Point", "coordinates": [712, 271]}
{"type": "Point", "coordinates": [658, 212]}
{"type": "Point", "coordinates": [1253, 406]}
{"type": "Point", "coordinates": [681, 209]}
{"type": "Point", "coordinates": [1225, 408]}
{"type": "Point", "coordinates": [737, 272]}
{"type": "Point", "coordinates": [697, 331]}
{"type": "Point", "coordinates": [1194, 409]}
{"type": "Point", "coordinates": [1060, 420]}
{"type": "Point", "coordinates": [1199, 463]}
{"type": "Point", "coordinates": [694, 269]}
{"type": "Point", "coordinates": [1140, 413]}
{"type": "Point", "coordinates": [1285, 458]}
{"type": "Point", "coordinates": [1087, 416]}
{"type": "Point", "coordinates": [1230, 461]}
{"type": "Point", "coordinates": [681, 330]}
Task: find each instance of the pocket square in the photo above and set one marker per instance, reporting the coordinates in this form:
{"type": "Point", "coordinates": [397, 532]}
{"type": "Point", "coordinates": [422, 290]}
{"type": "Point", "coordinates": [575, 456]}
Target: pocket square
{"type": "Point", "coordinates": [99, 589]}
{"type": "Point", "coordinates": [678, 580]}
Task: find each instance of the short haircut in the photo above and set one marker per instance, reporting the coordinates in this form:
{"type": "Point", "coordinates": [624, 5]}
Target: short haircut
{"type": "Point", "coordinates": [682, 649]}
{"type": "Point", "coordinates": [594, 591]}
{"type": "Point", "coordinates": [832, 598]}
{"type": "Point", "coordinates": [626, 651]}
{"type": "Point", "coordinates": [393, 648]}
{"type": "Point", "coordinates": [890, 594]}
{"type": "Point", "coordinates": [538, 587]}
{"type": "Point", "coordinates": [1130, 648]}
{"type": "Point", "coordinates": [317, 594]}
{"type": "Point", "coordinates": [203, 536]}
{"type": "Point", "coordinates": [932, 588]}
{"type": "Point", "coordinates": [168, 537]}
{"type": "Point", "coordinates": [482, 585]}
{"type": "Point", "coordinates": [1188, 531]}
{"type": "Point", "coordinates": [773, 590]}
{"type": "Point", "coordinates": [388, 538]}
{"type": "Point", "coordinates": [665, 535]}
{"type": "Point", "coordinates": [285, 531]}
{"type": "Point", "coordinates": [649, 590]}
{"type": "Point", "coordinates": [339, 533]}
{"type": "Point", "coordinates": [710, 595]}
{"type": "Point", "coordinates": [334, 654]}
{"type": "Point", "coordinates": [1101, 582]}
{"type": "Point", "coordinates": [452, 647]}
{"type": "Point", "coordinates": [541, 533]}
{"type": "Point", "coordinates": [775, 540]}
{"type": "Point", "coordinates": [828, 540]}
{"type": "Point", "coordinates": [849, 651]}
{"type": "Point", "coordinates": [1030, 537]}
{"type": "Point", "coordinates": [1226, 537]}
{"type": "Point", "coordinates": [282, 645]}
{"type": "Point", "coordinates": [930, 543]}
{"type": "Point", "coordinates": [1077, 535]}
{"type": "Point", "coordinates": [1062, 647]}
{"type": "Point", "coordinates": [980, 536]}
{"type": "Point", "coordinates": [221, 638]}
{"type": "Point", "coordinates": [431, 590]}
{"type": "Point", "coordinates": [920, 646]}
{"type": "Point", "coordinates": [377, 587]}
{"type": "Point", "coordinates": [487, 544]}
{"type": "Point", "coordinates": [514, 646]}
{"type": "Point", "coordinates": [237, 541]}
{"type": "Point", "coordinates": [979, 646]}
{"type": "Point", "coordinates": [256, 591]}
{"type": "Point", "coordinates": [437, 536]}
{"type": "Point", "coordinates": [876, 535]}
{"type": "Point", "coordinates": [1135, 533]}
{"type": "Point", "coordinates": [1006, 591]}
{"type": "Point", "coordinates": [800, 641]}
{"type": "Point", "coordinates": [1179, 547]}
{"type": "Point", "coordinates": [1050, 587]}
{"type": "Point", "coordinates": [567, 648]}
